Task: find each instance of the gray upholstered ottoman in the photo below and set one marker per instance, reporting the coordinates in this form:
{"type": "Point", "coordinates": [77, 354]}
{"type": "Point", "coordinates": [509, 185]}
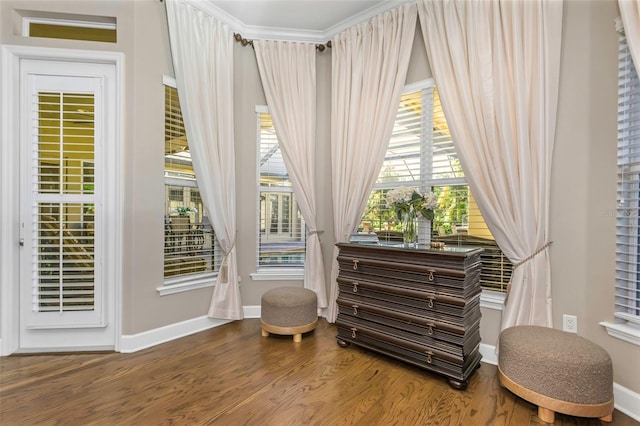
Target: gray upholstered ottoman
{"type": "Point", "coordinates": [289, 310]}
{"type": "Point", "coordinates": [558, 371]}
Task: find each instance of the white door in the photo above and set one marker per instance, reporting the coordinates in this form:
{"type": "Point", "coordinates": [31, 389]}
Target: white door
{"type": "Point", "coordinates": [66, 111]}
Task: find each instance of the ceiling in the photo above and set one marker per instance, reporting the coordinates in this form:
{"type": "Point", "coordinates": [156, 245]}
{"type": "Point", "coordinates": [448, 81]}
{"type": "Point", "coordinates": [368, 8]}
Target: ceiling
{"type": "Point", "coordinates": [302, 20]}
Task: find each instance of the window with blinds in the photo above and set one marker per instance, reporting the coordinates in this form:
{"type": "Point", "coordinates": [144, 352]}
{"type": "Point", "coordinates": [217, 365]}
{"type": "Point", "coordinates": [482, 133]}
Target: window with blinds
{"type": "Point", "coordinates": [190, 246]}
{"type": "Point", "coordinates": [64, 199]}
{"type": "Point", "coordinates": [421, 155]}
{"type": "Point", "coordinates": [627, 286]}
{"type": "Point", "coordinates": [282, 231]}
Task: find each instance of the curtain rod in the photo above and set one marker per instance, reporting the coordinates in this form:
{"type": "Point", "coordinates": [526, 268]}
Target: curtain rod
{"type": "Point", "coordinates": [243, 41]}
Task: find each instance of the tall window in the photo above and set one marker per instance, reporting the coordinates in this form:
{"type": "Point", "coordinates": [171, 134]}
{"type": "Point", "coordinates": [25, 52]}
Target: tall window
{"type": "Point", "coordinates": [421, 155]}
{"type": "Point", "coordinates": [281, 228]}
{"type": "Point", "coordinates": [190, 246]}
{"type": "Point", "coordinates": [627, 287]}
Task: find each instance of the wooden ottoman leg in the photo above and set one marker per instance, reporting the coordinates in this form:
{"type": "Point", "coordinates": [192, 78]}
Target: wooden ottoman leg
{"type": "Point", "coordinates": [546, 415]}
{"type": "Point", "coordinates": [265, 333]}
{"type": "Point", "coordinates": [608, 418]}
{"type": "Point", "coordinates": [297, 338]}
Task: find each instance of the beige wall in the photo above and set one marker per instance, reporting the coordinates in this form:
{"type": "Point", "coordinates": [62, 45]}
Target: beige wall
{"type": "Point", "coordinates": [584, 181]}
{"type": "Point", "coordinates": [583, 175]}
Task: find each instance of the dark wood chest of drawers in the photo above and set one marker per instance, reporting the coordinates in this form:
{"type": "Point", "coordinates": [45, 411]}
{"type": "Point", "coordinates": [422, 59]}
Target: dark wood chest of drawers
{"type": "Point", "coordinates": [421, 306]}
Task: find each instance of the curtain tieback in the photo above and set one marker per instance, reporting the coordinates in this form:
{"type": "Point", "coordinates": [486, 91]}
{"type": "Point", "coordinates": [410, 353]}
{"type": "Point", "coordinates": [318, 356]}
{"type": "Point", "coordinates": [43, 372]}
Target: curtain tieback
{"type": "Point", "coordinates": [532, 255]}
{"type": "Point", "coordinates": [223, 275]}
{"type": "Point", "coordinates": [228, 252]}
{"type": "Point", "coordinates": [315, 231]}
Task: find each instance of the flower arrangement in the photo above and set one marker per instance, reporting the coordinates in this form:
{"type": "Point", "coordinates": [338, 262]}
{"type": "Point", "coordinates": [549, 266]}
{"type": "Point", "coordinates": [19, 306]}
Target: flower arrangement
{"type": "Point", "coordinates": [405, 200]}
{"type": "Point", "coordinates": [407, 204]}
{"type": "Point", "coordinates": [184, 210]}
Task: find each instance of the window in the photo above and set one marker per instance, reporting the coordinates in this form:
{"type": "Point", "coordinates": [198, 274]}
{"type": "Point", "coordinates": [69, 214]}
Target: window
{"type": "Point", "coordinates": [627, 286]}
{"type": "Point", "coordinates": [190, 247]}
{"type": "Point", "coordinates": [421, 155]}
{"type": "Point", "coordinates": [281, 228]}
{"type": "Point", "coordinates": [71, 27]}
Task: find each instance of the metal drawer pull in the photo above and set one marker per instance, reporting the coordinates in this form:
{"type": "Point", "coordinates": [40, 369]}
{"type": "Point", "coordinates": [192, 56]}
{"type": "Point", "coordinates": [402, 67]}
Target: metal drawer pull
{"type": "Point", "coordinates": [430, 277]}
{"type": "Point", "coordinates": [430, 301]}
{"type": "Point", "coordinates": [355, 309]}
{"type": "Point", "coordinates": [353, 332]}
{"type": "Point", "coordinates": [355, 287]}
{"type": "Point", "coordinates": [429, 354]}
{"type": "Point", "coordinates": [355, 264]}
{"type": "Point", "coordinates": [430, 330]}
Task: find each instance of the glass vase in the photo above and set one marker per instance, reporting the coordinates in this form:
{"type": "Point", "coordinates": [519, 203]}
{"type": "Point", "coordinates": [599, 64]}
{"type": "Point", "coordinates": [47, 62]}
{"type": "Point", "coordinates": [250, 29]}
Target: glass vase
{"type": "Point", "coordinates": [410, 229]}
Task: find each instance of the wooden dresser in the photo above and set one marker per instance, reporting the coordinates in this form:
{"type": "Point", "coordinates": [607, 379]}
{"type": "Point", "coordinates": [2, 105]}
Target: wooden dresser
{"type": "Point", "coordinates": [421, 306]}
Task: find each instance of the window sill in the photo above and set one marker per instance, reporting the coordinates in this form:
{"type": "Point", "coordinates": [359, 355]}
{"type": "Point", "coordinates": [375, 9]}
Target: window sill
{"type": "Point", "coordinates": [490, 299]}
{"type": "Point", "coordinates": [278, 274]}
{"type": "Point", "coordinates": [182, 284]}
{"type": "Point", "coordinates": [627, 332]}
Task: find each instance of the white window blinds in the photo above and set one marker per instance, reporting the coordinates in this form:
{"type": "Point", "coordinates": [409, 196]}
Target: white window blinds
{"type": "Point", "coordinates": [282, 231]}
{"type": "Point", "coordinates": [627, 287]}
{"type": "Point", "coordinates": [64, 275]}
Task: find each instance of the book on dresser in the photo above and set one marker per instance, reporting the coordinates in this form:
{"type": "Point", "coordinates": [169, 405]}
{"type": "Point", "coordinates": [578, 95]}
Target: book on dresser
{"type": "Point", "coordinates": [419, 305]}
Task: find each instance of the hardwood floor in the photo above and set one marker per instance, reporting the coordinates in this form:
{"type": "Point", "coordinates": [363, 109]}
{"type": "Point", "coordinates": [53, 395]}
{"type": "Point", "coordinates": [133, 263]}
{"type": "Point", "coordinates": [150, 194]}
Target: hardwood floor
{"type": "Point", "coordinates": [230, 375]}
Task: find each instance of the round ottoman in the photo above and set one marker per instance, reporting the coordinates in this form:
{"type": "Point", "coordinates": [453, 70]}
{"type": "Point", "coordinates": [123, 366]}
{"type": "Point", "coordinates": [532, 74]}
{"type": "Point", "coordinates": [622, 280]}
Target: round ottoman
{"type": "Point", "coordinates": [556, 370]}
{"type": "Point", "coordinates": [289, 310]}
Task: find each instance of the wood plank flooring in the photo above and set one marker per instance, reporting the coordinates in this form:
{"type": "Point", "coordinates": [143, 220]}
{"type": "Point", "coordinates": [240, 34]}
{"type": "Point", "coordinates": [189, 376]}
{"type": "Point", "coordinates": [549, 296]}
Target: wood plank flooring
{"type": "Point", "coordinates": [230, 375]}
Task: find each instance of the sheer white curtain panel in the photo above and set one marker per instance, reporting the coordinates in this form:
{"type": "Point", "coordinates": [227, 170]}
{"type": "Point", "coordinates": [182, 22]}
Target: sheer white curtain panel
{"type": "Point", "coordinates": [496, 64]}
{"type": "Point", "coordinates": [630, 13]}
{"type": "Point", "coordinates": [288, 74]}
{"type": "Point", "coordinates": [369, 68]}
{"type": "Point", "coordinates": [202, 50]}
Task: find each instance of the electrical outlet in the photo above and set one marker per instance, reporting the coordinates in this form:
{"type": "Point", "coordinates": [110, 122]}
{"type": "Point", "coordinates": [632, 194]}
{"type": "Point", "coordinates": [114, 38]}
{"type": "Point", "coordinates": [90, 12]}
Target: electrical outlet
{"type": "Point", "coordinates": [570, 323]}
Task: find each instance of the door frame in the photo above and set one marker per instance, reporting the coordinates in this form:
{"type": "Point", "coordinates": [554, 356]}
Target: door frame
{"type": "Point", "coordinates": [10, 126]}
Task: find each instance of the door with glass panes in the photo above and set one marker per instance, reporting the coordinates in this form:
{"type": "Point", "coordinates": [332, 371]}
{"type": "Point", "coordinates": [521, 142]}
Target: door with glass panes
{"type": "Point", "coordinates": [65, 301]}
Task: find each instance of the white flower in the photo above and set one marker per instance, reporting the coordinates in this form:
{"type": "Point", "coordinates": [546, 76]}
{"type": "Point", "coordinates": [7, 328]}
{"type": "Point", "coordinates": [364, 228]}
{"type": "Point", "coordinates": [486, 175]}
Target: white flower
{"type": "Point", "coordinates": [404, 200]}
{"type": "Point", "coordinates": [430, 201]}
{"type": "Point", "coordinates": [399, 195]}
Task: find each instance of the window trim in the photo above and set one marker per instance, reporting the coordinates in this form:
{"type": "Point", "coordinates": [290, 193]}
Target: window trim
{"type": "Point", "coordinates": [182, 284]}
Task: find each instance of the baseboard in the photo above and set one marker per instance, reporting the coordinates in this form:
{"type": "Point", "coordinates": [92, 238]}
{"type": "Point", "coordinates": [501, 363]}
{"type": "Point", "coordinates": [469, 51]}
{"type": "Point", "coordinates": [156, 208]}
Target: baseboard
{"type": "Point", "coordinates": [146, 339]}
{"type": "Point", "coordinates": [489, 354]}
{"type": "Point", "coordinates": [625, 400]}
{"type": "Point", "coordinates": [252, 311]}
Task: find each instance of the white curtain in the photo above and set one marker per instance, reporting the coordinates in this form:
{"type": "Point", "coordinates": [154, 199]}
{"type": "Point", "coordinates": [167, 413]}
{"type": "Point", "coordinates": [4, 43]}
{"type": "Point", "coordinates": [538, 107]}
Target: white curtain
{"type": "Point", "coordinates": [202, 50]}
{"type": "Point", "coordinates": [496, 64]}
{"type": "Point", "coordinates": [369, 67]}
{"type": "Point", "coordinates": [630, 13]}
{"type": "Point", "coordinates": [288, 73]}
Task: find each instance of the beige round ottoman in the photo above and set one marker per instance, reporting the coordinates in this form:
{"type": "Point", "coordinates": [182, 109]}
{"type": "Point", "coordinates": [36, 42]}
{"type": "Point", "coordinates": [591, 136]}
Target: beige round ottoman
{"type": "Point", "coordinates": [558, 371]}
{"type": "Point", "coordinates": [289, 310]}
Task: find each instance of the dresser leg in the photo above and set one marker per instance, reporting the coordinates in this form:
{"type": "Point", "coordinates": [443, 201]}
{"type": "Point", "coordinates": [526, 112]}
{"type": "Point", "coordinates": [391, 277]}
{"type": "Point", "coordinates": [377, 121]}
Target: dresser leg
{"type": "Point", "coordinates": [458, 384]}
{"type": "Point", "coordinates": [343, 343]}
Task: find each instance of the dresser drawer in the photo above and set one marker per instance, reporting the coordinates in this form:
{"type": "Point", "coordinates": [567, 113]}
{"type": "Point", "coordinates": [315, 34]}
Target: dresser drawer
{"type": "Point", "coordinates": [429, 279]}
{"type": "Point", "coordinates": [423, 356]}
{"type": "Point", "coordinates": [415, 275]}
{"type": "Point", "coordinates": [422, 302]}
{"type": "Point", "coordinates": [457, 340]}
{"type": "Point", "coordinates": [452, 258]}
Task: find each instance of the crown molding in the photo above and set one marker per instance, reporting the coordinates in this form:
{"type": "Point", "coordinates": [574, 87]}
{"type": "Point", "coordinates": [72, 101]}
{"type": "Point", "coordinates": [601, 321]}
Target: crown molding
{"type": "Point", "coordinates": [255, 32]}
{"type": "Point", "coordinates": [363, 16]}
